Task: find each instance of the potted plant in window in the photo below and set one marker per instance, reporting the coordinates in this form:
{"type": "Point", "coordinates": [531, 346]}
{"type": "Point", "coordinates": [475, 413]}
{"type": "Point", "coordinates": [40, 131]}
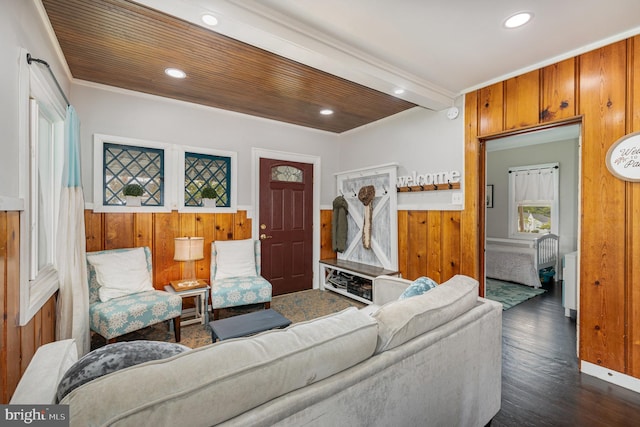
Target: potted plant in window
{"type": "Point", "coordinates": [132, 194]}
{"type": "Point", "coordinates": [209, 196]}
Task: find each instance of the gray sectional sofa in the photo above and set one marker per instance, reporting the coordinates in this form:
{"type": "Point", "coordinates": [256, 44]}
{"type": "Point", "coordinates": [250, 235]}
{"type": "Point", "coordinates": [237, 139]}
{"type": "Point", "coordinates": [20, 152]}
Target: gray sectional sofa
{"type": "Point", "coordinates": [428, 360]}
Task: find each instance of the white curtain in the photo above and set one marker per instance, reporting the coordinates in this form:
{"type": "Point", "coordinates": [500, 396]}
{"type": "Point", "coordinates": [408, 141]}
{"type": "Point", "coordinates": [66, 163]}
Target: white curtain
{"type": "Point", "coordinates": [72, 314]}
{"type": "Point", "coordinates": [534, 185]}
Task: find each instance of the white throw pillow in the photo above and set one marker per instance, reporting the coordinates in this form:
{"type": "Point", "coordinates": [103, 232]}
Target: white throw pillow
{"type": "Point", "coordinates": [235, 258]}
{"type": "Point", "coordinates": [121, 273]}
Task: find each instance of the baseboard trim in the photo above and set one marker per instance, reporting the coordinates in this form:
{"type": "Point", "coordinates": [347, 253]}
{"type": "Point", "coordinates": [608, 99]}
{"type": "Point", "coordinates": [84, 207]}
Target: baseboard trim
{"type": "Point", "coordinates": [609, 375]}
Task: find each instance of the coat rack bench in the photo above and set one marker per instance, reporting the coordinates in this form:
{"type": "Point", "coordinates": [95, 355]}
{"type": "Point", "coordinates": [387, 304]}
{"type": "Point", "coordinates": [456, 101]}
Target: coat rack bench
{"type": "Point", "coordinates": [351, 279]}
{"type": "Point", "coordinates": [352, 273]}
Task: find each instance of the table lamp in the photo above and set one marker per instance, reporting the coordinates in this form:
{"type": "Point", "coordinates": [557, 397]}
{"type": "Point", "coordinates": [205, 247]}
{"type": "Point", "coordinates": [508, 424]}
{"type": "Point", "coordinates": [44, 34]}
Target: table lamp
{"type": "Point", "coordinates": [189, 250]}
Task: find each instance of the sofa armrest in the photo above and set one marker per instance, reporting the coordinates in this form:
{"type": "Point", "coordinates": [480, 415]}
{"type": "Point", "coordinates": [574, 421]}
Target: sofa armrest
{"type": "Point", "coordinates": [388, 288]}
{"type": "Point", "coordinates": [39, 384]}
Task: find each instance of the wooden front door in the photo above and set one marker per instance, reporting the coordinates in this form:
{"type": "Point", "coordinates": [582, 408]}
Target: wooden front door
{"type": "Point", "coordinates": [285, 224]}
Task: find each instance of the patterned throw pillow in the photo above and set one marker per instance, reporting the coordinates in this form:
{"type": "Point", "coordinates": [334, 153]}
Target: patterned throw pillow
{"type": "Point", "coordinates": [418, 287]}
{"type": "Point", "coordinates": [112, 357]}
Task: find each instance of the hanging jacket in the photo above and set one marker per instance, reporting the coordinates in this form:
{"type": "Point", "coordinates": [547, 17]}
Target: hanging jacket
{"type": "Point", "coordinates": [339, 225]}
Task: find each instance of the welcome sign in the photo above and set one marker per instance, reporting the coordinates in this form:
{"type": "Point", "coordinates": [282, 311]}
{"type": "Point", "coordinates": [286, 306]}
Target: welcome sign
{"type": "Point", "coordinates": [437, 178]}
{"type": "Point", "coordinates": [623, 158]}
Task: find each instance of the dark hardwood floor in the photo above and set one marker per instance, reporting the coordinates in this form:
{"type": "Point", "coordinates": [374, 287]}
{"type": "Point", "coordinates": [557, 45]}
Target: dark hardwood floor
{"type": "Point", "coordinates": [541, 382]}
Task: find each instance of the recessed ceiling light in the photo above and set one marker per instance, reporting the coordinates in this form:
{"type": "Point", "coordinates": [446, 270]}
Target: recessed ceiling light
{"type": "Point", "coordinates": [518, 20]}
{"type": "Point", "coordinates": [209, 19]}
{"type": "Point", "coordinates": [176, 73]}
{"type": "Point", "coordinates": [398, 91]}
{"type": "Point", "coordinates": [326, 112]}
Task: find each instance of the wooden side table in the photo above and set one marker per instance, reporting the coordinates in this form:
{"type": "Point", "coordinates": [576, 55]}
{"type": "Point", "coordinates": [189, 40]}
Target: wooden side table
{"type": "Point", "coordinates": [201, 298]}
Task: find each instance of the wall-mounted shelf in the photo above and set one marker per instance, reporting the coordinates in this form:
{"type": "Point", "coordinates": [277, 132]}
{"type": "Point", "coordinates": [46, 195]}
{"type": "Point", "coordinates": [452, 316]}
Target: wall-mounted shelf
{"type": "Point", "coordinates": [431, 187]}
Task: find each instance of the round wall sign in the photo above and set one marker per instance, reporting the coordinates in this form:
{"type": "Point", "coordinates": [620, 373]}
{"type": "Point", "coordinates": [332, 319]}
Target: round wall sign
{"type": "Point", "coordinates": [623, 158]}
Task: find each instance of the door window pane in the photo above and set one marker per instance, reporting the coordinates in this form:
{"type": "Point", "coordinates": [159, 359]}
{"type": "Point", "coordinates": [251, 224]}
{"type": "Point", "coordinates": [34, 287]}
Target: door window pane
{"type": "Point", "coordinates": [286, 173]}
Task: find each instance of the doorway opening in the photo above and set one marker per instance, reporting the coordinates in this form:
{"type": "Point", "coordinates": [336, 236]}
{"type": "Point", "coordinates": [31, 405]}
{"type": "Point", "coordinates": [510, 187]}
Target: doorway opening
{"type": "Point", "coordinates": [559, 146]}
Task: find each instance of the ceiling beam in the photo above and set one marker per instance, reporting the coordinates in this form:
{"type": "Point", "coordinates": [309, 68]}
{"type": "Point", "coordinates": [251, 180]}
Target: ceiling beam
{"type": "Point", "coordinates": [252, 23]}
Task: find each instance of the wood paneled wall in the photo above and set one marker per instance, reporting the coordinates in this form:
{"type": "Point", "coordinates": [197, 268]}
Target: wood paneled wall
{"type": "Point", "coordinates": [600, 89]}
{"type": "Point", "coordinates": [429, 243]}
{"type": "Point", "coordinates": [158, 230]}
{"type": "Point", "coordinates": [18, 344]}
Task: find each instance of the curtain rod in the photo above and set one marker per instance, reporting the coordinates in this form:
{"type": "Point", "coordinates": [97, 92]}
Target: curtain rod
{"type": "Point", "coordinates": [31, 59]}
{"type": "Point", "coordinates": [533, 168]}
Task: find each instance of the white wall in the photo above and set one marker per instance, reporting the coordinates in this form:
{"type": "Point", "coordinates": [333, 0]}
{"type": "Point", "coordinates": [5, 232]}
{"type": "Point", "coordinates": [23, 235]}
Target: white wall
{"type": "Point", "coordinates": [20, 27]}
{"type": "Point", "coordinates": [129, 114]}
{"type": "Point", "coordinates": [418, 140]}
{"type": "Point", "coordinates": [498, 163]}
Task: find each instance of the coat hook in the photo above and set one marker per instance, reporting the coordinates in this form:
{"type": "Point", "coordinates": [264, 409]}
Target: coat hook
{"type": "Point", "coordinates": [422, 188]}
{"type": "Point", "coordinates": [450, 185]}
{"type": "Point", "coordinates": [435, 187]}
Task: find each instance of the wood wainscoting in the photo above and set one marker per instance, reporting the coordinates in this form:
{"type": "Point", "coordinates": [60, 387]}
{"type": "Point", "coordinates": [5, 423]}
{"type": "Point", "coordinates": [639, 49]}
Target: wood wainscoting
{"type": "Point", "coordinates": [18, 343]}
{"type": "Point", "coordinates": [158, 231]}
{"type": "Point", "coordinates": [429, 243]}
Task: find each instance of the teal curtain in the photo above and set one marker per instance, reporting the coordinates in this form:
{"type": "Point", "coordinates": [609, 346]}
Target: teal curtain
{"type": "Point", "coordinates": [72, 319]}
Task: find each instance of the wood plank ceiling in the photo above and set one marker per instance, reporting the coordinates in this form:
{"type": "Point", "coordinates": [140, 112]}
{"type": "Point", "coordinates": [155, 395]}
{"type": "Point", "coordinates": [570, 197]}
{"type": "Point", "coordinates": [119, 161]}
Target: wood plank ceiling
{"type": "Point", "coordinates": [123, 44]}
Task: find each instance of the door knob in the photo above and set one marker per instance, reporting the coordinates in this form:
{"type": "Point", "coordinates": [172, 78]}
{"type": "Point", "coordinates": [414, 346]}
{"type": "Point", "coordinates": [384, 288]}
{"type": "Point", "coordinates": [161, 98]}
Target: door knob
{"type": "Point", "coordinates": [264, 236]}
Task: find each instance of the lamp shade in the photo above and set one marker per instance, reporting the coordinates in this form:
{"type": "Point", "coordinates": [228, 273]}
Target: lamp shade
{"type": "Point", "coordinates": [188, 249]}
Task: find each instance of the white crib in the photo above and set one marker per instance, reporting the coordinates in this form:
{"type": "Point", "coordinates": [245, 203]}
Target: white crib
{"type": "Point", "coordinates": [520, 261]}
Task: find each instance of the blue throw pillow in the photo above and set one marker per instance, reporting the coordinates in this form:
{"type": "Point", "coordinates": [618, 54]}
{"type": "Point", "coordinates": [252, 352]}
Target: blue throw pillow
{"type": "Point", "coordinates": [418, 287]}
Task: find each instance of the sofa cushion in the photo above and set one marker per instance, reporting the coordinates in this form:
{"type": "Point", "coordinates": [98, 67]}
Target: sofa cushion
{"type": "Point", "coordinates": [418, 287]}
{"type": "Point", "coordinates": [113, 357]}
{"type": "Point", "coordinates": [120, 273]}
{"type": "Point", "coordinates": [402, 320]}
{"type": "Point", "coordinates": [215, 383]}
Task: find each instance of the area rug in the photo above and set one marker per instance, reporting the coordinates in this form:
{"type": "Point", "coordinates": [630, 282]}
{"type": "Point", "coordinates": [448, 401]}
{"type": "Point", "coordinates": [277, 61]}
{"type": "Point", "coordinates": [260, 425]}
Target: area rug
{"type": "Point", "coordinates": [297, 307]}
{"type": "Point", "coordinates": [510, 294]}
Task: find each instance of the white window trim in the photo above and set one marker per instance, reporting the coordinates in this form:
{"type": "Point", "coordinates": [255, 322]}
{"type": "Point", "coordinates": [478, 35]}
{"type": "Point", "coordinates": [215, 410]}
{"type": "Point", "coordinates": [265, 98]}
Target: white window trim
{"type": "Point", "coordinates": [32, 83]}
{"type": "Point", "coordinates": [233, 205]}
{"type": "Point", "coordinates": [555, 205]}
{"type": "Point", "coordinates": [98, 169]}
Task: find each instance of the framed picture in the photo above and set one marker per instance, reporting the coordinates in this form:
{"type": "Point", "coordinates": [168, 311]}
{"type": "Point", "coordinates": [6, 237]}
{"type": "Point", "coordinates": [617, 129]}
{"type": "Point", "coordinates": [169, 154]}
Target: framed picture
{"type": "Point", "coordinates": [489, 196]}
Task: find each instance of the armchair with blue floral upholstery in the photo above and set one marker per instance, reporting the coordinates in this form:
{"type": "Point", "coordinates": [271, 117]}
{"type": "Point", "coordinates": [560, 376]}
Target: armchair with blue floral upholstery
{"type": "Point", "coordinates": [122, 298]}
{"type": "Point", "coordinates": [235, 275]}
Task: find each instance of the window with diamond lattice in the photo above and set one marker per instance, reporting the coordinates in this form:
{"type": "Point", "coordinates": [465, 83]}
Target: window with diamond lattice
{"type": "Point", "coordinates": [202, 170]}
{"type": "Point", "coordinates": [127, 164]}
